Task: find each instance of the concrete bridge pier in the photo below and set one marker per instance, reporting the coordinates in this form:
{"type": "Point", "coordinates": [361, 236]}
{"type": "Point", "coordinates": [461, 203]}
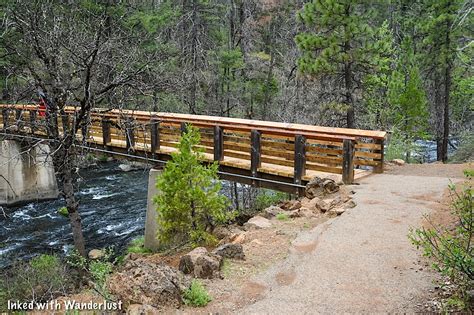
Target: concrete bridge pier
{"type": "Point", "coordinates": [151, 224]}
{"type": "Point", "coordinates": [26, 173]}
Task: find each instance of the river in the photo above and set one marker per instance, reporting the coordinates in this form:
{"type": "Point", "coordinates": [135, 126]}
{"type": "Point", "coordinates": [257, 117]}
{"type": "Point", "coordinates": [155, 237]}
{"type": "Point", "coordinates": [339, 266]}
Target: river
{"type": "Point", "coordinates": [112, 206]}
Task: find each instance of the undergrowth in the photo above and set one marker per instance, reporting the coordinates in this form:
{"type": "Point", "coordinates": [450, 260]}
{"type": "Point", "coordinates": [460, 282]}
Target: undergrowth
{"type": "Point", "coordinates": [196, 295]}
{"type": "Point", "coordinates": [452, 248]}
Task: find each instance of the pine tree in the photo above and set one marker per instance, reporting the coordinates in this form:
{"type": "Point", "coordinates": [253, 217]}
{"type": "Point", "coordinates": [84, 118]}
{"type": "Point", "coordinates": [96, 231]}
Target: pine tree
{"type": "Point", "coordinates": [188, 203]}
{"type": "Point", "coordinates": [407, 98]}
{"type": "Point", "coordinates": [442, 32]}
{"type": "Point", "coordinates": [338, 45]}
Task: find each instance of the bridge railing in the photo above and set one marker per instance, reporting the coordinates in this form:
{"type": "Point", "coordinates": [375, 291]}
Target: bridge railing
{"type": "Point", "coordinates": [293, 151]}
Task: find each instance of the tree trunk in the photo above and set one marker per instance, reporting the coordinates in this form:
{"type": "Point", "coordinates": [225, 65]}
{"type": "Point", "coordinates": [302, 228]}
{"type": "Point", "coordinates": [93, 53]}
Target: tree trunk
{"type": "Point", "coordinates": [72, 208]}
{"type": "Point", "coordinates": [447, 91]}
{"type": "Point", "coordinates": [350, 114]}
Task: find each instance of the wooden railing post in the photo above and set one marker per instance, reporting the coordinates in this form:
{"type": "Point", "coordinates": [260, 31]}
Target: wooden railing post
{"type": "Point", "coordinates": [18, 113]}
{"type": "Point", "coordinates": [155, 135]}
{"type": "Point", "coordinates": [33, 114]}
{"type": "Point", "coordinates": [218, 143]}
{"type": "Point", "coordinates": [5, 114]}
{"type": "Point", "coordinates": [255, 152]}
{"type": "Point", "coordinates": [129, 136]}
{"type": "Point", "coordinates": [183, 127]}
{"type": "Point", "coordinates": [65, 122]}
{"type": "Point", "coordinates": [106, 136]}
{"type": "Point", "coordinates": [348, 161]}
{"type": "Point", "coordinates": [300, 159]}
{"type": "Point", "coordinates": [379, 167]}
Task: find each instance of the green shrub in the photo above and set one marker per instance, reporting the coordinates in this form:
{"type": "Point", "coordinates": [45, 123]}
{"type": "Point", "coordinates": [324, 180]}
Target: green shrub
{"type": "Point", "coordinates": [196, 295]}
{"type": "Point", "coordinates": [452, 249]}
{"type": "Point", "coordinates": [189, 204]}
{"type": "Point", "coordinates": [401, 148]}
{"type": "Point", "coordinates": [282, 216]}
{"type": "Point", "coordinates": [98, 270]}
{"type": "Point", "coordinates": [465, 151]}
{"type": "Point", "coordinates": [267, 198]}
{"type": "Point", "coordinates": [137, 246]}
{"type": "Point", "coordinates": [63, 211]}
{"type": "Point", "coordinates": [41, 279]}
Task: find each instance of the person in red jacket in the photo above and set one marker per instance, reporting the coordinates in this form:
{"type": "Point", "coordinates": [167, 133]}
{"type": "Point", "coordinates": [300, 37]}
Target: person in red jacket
{"type": "Point", "coordinates": [42, 107]}
{"type": "Point", "coordinates": [42, 104]}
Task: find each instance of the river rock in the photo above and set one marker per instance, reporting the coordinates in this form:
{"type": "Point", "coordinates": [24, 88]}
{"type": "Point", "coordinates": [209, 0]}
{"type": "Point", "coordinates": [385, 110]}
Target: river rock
{"type": "Point", "coordinates": [318, 187]}
{"type": "Point", "coordinates": [350, 204]}
{"type": "Point", "coordinates": [139, 309]}
{"type": "Point", "coordinates": [200, 263]}
{"type": "Point", "coordinates": [240, 239]}
{"type": "Point", "coordinates": [258, 222]}
{"type": "Point", "coordinates": [143, 282]}
{"type": "Point", "coordinates": [125, 167]}
{"type": "Point", "coordinates": [96, 254]}
{"type": "Point", "coordinates": [398, 162]}
{"type": "Point", "coordinates": [271, 212]}
{"type": "Point", "coordinates": [337, 210]}
{"type": "Point", "coordinates": [290, 205]}
{"type": "Point", "coordinates": [301, 213]}
{"type": "Point", "coordinates": [230, 250]}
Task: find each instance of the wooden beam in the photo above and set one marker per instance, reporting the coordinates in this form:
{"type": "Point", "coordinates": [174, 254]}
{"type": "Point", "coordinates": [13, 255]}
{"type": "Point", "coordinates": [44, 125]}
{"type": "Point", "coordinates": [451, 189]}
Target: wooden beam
{"type": "Point", "coordinates": [300, 158]}
{"type": "Point", "coordinates": [348, 162]}
{"type": "Point", "coordinates": [218, 143]}
{"type": "Point", "coordinates": [155, 135]}
{"type": "Point", "coordinates": [255, 152]}
{"type": "Point", "coordinates": [380, 164]}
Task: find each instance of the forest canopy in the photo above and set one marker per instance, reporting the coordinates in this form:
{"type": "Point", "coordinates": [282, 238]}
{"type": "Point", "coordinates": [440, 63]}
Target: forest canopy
{"type": "Point", "coordinates": [401, 66]}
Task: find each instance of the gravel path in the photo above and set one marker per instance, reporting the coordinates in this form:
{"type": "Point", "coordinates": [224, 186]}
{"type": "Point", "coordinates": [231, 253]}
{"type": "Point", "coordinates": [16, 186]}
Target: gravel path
{"type": "Point", "coordinates": [362, 261]}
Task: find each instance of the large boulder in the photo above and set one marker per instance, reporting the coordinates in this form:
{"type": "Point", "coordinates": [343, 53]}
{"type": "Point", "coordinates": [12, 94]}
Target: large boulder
{"type": "Point", "coordinates": [230, 250]}
{"type": "Point", "coordinates": [258, 222]}
{"type": "Point", "coordinates": [144, 282]}
{"type": "Point", "coordinates": [318, 187]}
{"type": "Point", "coordinates": [201, 264]}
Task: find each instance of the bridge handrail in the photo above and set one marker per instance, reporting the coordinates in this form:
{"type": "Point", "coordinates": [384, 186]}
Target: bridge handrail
{"type": "Point", "coordinates": [316, 148]}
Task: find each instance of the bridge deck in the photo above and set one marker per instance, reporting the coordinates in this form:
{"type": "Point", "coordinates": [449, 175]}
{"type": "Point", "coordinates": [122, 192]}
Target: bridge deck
{"type": "Point", "coordinates": [290, 154]}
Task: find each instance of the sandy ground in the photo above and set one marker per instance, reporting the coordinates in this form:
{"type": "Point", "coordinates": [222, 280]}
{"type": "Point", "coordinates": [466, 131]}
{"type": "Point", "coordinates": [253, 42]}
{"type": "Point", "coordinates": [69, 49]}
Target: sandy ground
{"type": "Point", "coordinates": [360, 262]}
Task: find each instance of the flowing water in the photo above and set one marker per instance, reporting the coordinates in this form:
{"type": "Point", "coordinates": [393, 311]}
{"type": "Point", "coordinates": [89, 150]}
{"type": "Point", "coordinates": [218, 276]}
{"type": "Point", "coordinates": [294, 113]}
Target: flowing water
{"type": "Point", "coordinates": [112, 206]}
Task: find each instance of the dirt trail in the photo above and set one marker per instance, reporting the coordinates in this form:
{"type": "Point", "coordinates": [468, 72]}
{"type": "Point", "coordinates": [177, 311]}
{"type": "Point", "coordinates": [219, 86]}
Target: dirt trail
{"type": "Point", "coordinates": [361, 261]}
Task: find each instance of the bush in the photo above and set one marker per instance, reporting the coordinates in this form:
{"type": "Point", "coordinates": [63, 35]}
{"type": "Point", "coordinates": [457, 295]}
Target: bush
{"type": "Point", "coordinates": [465, 151]}
{"type": "Point", "coordinates": [267, 198]}
{"type": "Point", "coordinates": [41, 279]}
{"type": "Point", "coordinates": [282, 216]}
{"type": "Point", "coordinates": [98, 270]}
{"type": "Point", "coordinates": [452, 249]}
{"type": "Point", "coordinates": [189, 204]}
{"type": "Point", "coordinates": [196, 295]}
{"type": "Point", "coordinates": [137, 246]}
{"type": "Point", "coordinates": [400, 148]}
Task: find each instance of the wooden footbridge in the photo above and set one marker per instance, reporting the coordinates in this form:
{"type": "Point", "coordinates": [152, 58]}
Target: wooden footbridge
{"type": "Point", "coordinates": [275, 155]}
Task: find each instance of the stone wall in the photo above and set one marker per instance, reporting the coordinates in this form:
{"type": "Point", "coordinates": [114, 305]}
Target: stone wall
{"type": "Point", "coordinates": [26, 173]}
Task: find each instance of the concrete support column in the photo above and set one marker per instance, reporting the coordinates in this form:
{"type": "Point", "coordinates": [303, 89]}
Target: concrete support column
{"type": "Point", "coordinates": [151, 224]}
{"type": "Point", "coordinates": [26, 173]}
